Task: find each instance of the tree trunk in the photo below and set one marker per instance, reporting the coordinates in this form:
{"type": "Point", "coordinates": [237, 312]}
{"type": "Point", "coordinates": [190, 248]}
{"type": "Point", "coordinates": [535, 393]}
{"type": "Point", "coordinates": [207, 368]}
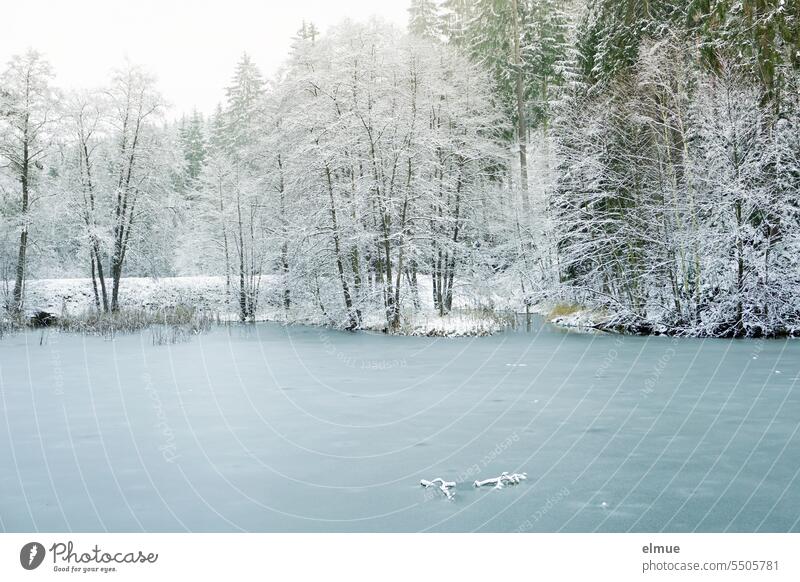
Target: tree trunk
{"type": "Point", "coordinates": [91, 224]}
{"type": "Point", "coordinates": [224, 242]}
{"type": "Point", "coordinates": [521, 124]}
{"type": "Point", "coordinates": [284, 233]}
{"type": "Point", "coordinates": [20, 274]}
{"type": "Point", "coordinates": [116, 275]}
{"type": "Point", "coordinates": [353, 320]}
{"type": "Point", "coordinates": [395, 322]}
{"type": "Point", "coordinates": [23, 236]}
{"type": "Point", "coordinates": [242, 291]}
{"type": "Point", "coordinates": [739, 271]}
{"type": "Point", "coordinates": [94, 282]}
{"type": "Point", "coordinates": [99, 264]}
{"type": "Point", "coordinates": [412, 281]}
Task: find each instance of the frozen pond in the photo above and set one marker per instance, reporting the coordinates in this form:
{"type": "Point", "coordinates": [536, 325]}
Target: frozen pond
{"type": "Point", "coordinates": [265, 428]}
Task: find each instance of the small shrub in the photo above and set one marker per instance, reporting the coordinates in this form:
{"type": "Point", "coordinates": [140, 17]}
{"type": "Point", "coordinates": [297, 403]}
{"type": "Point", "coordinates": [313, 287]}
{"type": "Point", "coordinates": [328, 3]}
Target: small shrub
{"type": "Point", "coordinates": [562, 309]}
{"type": "Point", "coordinates": [169, 324]}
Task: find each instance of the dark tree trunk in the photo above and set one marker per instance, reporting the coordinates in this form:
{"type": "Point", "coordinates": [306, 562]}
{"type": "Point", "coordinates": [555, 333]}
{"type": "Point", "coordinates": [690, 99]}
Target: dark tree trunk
{"type": "Point", "coordinates": [353, 319]}
{"type": "Point", "coordinates": [521, 124]}
{"type": "Point", "coordinates": [99, 264]}
{"type": "Point", "coordinates": [287, 301]}
{"type": "Point", "coordinates": [19, 279]}
{"type": "Point", "coordinates": [94, 282]}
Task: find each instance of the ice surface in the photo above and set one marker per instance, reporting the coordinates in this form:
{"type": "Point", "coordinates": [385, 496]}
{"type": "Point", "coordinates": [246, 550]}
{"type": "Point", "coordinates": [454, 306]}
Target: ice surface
{"type": "Point", "coordinates": [270, 428]}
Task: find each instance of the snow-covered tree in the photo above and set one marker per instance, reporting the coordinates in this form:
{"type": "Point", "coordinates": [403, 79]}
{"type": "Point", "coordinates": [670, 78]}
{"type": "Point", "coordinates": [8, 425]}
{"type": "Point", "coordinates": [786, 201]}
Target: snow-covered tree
{"type": "Point", "coordinates": [27, 112]}
{"type": "Point", "coordinates": [423, 19]}
{"type": "Point", "coordinates": [136, 177]}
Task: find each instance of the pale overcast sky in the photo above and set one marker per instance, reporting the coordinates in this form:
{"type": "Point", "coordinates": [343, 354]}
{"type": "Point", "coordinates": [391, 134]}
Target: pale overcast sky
{"type": "Point", "coordinates": [191, 45]}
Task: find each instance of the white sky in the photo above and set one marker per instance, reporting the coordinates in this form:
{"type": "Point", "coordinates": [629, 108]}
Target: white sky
{"type": "Point", "coordinates": [191, 46]}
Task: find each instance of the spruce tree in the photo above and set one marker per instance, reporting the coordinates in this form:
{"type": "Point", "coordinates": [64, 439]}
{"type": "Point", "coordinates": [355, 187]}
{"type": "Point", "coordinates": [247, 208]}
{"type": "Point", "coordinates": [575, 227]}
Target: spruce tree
{"type": "Point", "coordinates": [423, 19]}
{"type": "Point", "coordinates": [245, 100]}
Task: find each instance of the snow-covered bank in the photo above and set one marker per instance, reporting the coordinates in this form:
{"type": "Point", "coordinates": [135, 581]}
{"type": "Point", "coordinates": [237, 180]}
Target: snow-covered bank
{"type": "Point", "coordinates": [75, 296]}
{"type": "Point", "coordinates": [578, 318]}
{"type": "Point", "coordinates": [207, 295]}
{"type": "Point", "coordinates": [481, 310]}
{"type": "Point", "coordinates": [455, 324]}
{"type": "Point", "coordinates": [603, 319]}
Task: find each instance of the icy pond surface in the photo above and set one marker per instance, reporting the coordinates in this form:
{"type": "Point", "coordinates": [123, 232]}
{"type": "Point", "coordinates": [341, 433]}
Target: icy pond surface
{"type": "Point", "coordinates": [266, 428]}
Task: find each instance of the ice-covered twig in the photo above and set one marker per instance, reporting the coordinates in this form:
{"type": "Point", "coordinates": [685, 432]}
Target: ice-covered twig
{"type": "Point", "coordinates": [503, 480]}
{"type": "Point", "coordinates": [441, 485]}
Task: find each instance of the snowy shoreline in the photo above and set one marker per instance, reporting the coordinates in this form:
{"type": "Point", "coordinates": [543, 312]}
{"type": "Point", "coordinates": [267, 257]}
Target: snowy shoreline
{"type": "Point", "coordinates": [601, 321]}
{"type": "Point", "coordinates": [206, 294]}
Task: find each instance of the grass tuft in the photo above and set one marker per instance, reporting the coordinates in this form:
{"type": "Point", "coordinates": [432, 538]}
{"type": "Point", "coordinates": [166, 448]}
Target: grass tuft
{"type": "Point", "coordinates": [562, 309]}
{"type": "Point", "coordinates": [168, 325]}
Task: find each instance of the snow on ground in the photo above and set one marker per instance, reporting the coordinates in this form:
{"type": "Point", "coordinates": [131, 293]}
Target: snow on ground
{"type": "Point", "coordinates": [581, 318]}
{"type": "Point", "coordinates": [452, 325]}
{"type": "Point", "coordinates": [75, 296]}
{"type": "Point", "coordinates": [471, 316]}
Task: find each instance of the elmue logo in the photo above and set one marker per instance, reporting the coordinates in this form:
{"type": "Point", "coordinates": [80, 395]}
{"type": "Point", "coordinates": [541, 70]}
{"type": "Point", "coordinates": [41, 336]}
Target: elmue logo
{"type": "Point", "coordinates": [31, 555]}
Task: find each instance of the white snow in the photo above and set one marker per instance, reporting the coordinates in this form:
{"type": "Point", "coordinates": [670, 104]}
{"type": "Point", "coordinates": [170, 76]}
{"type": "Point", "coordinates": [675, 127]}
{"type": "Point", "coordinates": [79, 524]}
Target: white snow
{"type": "Point", "coordinates": [504, 479]}
{"type": "Point", "coordinates": [440, 484]}
{"type": "Point", "coordinates": [582, 318]}
{"type": "Point", "coordinates": [207, 293]}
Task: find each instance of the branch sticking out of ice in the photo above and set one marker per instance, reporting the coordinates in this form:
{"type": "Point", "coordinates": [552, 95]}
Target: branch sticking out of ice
{"type": "Point", "coordinates": [503, 480]}
{"type": "Point", "coordinates": [441, 485]}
